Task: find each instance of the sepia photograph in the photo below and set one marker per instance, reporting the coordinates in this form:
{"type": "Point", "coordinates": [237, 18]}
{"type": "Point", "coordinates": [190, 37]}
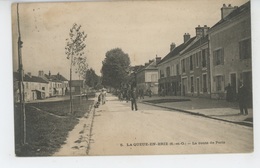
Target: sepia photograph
{"type": "Point", "coordinates": [120, 78]}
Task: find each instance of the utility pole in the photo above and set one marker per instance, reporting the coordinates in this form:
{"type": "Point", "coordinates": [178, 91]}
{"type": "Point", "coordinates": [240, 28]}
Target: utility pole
{"type": "Point", "coordinates": [71, 103]}
{"type": "Point", "coordinates": [21, 84]}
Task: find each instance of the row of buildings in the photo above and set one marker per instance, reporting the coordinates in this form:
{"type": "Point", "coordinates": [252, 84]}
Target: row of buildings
{"type": "Point", "coordinates": [205, 64]}
{"type": "Point", "coordinates": [44, 86]}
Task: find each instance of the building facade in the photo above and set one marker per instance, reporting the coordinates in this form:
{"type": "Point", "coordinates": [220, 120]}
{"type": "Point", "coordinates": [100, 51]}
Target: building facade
{"type": "Point", "coordinates": [195, 67]}
{"type": "Point", "coordinates": [169, 68]}
{"type": "Point", "coordinates": [230, 51]}
{"type": "Point", "coordinates": [35, 88]}
{"type": "Point", "coordinates": [147, 76]}
{"type": "Point", "coordinates": [58, 84]}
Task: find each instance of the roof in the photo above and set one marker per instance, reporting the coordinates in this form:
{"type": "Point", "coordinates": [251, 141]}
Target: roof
{"type": "Point", "coordinates": [57, 77]}
{"type": "Point", "coordinates": [28, 78]}
{"type": "Point", "coordinates": [136, 68]}
{"type": "Point", "coordinates": [175, 52]}
{"type": "Point", "coordinates": [243, 8]}
{"type": "Point", "coordinates": [199, 42]}
{"type": "Point", "coordinates": [151, 65]}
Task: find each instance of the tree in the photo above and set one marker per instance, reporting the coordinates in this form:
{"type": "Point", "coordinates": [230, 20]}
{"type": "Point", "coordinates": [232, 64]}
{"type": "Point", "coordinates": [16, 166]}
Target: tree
{"type": "Point", "coordinates": [74, 50]}
{"type": "Point", "coordinates": [115, 68]}
{"type": "Point", "coordinates": [91, 78]}
{"type": "Point", "coordinates": [81, 66]}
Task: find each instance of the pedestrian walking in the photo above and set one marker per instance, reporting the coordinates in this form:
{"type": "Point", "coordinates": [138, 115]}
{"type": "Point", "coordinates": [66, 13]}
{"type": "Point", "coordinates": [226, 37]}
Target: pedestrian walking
{"type": "Point", "coordinates": [243, 99]}
{"type": "Point", "coordinates": [133, 99]}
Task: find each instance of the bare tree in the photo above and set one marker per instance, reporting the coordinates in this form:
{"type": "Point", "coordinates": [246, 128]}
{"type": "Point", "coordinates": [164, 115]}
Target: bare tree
{"type": "Point", "coordinates": [81, 68]}
{"type": "Point", "coordinates": [74, 50]}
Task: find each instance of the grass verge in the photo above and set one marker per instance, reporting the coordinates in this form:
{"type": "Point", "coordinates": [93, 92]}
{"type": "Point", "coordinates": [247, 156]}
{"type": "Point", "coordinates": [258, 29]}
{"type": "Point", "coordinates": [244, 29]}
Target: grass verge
{"type": "Point", "coordinates": [47, 126]}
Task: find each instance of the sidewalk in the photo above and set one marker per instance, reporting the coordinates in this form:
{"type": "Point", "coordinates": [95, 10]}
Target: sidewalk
{"type": "Point", "coordinates": [211, 108]}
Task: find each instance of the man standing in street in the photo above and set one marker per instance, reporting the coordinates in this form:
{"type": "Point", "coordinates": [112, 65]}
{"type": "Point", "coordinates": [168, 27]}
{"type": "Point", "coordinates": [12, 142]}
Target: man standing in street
{"type": "Point", "coordinates": [133, 99]}
{"type": "Point", "coordinates": [243, 99]}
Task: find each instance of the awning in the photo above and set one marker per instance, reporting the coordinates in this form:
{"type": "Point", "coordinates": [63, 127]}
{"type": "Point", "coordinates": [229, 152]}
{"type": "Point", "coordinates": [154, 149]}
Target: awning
{"type": "Point", "coordinates": [39, 90]}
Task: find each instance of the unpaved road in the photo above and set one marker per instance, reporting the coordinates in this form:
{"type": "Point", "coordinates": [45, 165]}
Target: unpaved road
{"type": "Point", "coordinates": [119, 131]}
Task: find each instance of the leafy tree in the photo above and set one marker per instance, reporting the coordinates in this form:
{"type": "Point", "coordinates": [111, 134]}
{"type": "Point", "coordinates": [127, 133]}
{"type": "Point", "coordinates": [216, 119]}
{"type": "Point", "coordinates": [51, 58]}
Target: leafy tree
{"type": "Point", "coordinates": [81, 66]}
{"type": "Point", "coordinates": [74, 50]}
{"type": "Point", "coordinates": [115, 68]}
{"type": "Point", "coordinates": [91, 78]}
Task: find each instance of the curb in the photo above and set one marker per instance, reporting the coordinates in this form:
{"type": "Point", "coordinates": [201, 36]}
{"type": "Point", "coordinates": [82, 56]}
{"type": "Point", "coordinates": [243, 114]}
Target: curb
{"type": "Point", "coordinates": [247, 124]}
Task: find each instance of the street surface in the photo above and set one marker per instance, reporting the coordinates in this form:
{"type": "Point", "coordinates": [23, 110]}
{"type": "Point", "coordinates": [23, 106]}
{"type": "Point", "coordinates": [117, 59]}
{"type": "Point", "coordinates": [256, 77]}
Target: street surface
{"type": "Point", "coordinates": [117, 130]}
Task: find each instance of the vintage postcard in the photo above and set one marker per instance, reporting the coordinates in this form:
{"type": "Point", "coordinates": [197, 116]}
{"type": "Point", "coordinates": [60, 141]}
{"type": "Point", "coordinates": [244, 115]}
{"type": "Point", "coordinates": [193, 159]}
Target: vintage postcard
{"type": "Point", "coordinates": [132, 78]}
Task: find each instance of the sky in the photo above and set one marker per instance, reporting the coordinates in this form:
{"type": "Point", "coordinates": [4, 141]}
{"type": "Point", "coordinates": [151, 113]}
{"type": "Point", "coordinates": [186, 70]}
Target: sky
{"type": "Point", "coordinates": [142, 29]}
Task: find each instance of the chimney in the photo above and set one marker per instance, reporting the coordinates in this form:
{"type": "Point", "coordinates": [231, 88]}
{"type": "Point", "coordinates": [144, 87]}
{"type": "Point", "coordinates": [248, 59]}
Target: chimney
{"type": "Point", "coordinates": [186, 37]}
{"type": "Point", "coordinates": [29, 74]}
{"type": "Point", "coordinates": [150, 61]}
{"type": "Point", "coordinates": [157, 59]}
{"type": "Point", "coordinates": [226, 10]}
{"type": "Point", "coordinates": [49, 73]}
{"type": "Point", "coordinates": [41, 74]}
{"type": "Point", "coordinates": [172, 46]}
{"type": "Point", "coordinates": [205, 30]}
{"type": "Point", "coordinates": [201, 31]}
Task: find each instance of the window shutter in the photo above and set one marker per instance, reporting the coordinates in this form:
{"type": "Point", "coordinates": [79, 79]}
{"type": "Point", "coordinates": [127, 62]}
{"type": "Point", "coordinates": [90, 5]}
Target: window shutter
{"type": "Point", "coordinates": [222, 56]}
{"type": "Point", "coordinates": [214, 57]}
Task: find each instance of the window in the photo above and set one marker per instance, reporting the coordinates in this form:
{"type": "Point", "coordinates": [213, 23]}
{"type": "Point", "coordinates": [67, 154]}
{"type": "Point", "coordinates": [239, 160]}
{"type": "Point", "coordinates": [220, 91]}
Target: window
{"type": "Point", "coordinates": [168, 71]}
{"type": "Point", "coordinates": [161, 74]}
{"type": "Point", "coordinates": [191, 84]}
{"type": "Point", "coordinates": [177, 69]}
{"type": "Point", "coordinates": [154, 78]}
{"type": "Point", "coordinates": [218, 80]}
{"type": "Point", "coordinates": [218, 57]}
{"type": "Point", "coordinates": [191, 63]}
{"type": "Point", "coordinates": [204, 58]}
{"type": "Point", "coordinates": [197, 59]}
{"type": "Point", "coordinates": [245, 49]}
{"type": "Point", "coordinates": [204, 84]}
{"type": "Point", "coordinates": [43, 88]}
{"type": "Point", "coordinates": [183, 66]}
{"type": "Point", "coordinates": [172, 70]}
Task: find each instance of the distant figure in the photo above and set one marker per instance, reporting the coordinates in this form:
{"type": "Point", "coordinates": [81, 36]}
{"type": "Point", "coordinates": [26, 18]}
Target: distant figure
{"type": "Point", "coordinates": [162, 92]}
{"type": "Point", "coordinates": [99, 100]}
{"type": "Point", "coordinates": [192, 90]}
{"type": "Point", "coordinates": [100, 97]}
{"type": "Point", "coordinates": [229, 95]}
{"type": "Point", "coordinates": [104, 93]}
{"type": "Point", "coordinates": [120, 96]}
{"type": "Point", "coordinates": [141, 93]}
{"type": "Point", "coordinates": [149, 91]}
{"type": "Point", "coordinates": [128, 95]}
{"type": "Point", "coordinates": [133, 99]}
{"type": "Point", "coordinates": [243, 99]}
